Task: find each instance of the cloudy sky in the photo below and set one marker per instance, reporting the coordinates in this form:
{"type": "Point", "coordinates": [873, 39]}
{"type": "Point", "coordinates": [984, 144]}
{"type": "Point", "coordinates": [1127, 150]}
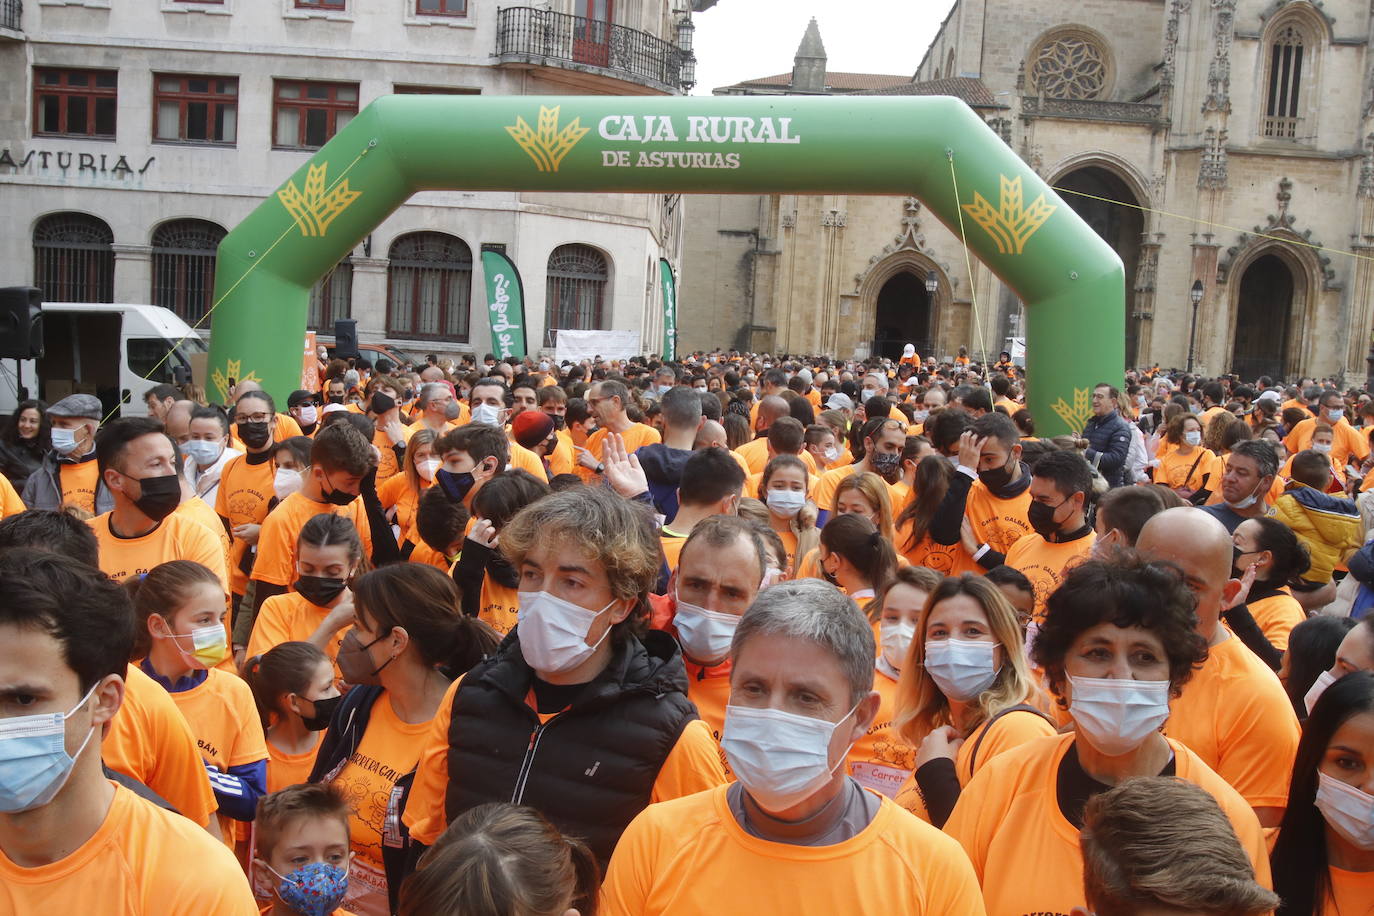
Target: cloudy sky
{"type": "Point", "coordinates": [744, 39]}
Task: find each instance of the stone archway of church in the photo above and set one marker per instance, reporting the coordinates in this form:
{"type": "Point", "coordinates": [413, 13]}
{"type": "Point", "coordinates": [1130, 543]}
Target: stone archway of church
{"type": "Point", "coordinates": [936, 149]}
{"type": "Point", "coordinates": [902, 316]}
{"type": "Point", "coordinates": [1264, 319]}
{"type": "Point", "coordinates": [1120, 227]}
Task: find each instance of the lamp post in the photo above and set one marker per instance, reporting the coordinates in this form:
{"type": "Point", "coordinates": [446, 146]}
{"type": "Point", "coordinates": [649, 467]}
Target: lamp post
{"type": "Point", "coordinates": [686, 30]}
{"type": "Point", "coordinates": [1196, 295]}
{"type": "Point", "coordinates": [1369, 370]}
{"type": "Point", "coordinates": [932, 287]}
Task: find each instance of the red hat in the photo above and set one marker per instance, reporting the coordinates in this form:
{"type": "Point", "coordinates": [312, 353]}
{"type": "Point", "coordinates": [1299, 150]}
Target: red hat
{"type": "Point", "coordinates": [531, 427]}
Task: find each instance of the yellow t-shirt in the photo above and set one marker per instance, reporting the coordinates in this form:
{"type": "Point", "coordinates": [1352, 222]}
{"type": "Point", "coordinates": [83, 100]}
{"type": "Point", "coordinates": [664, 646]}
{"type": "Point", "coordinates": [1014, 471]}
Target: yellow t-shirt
{"type": "Point", "coordinates": [1025, 852]}
{"type": "Point", "coordinates": [177, 538]}
{"type": "Point", "coordinates": [290, 618]}
{"type": "Point", "coordinates": [691, 856]}
{"type": "Point", "coordinates": [142, 859]}
{"type": "Point", "coordinates": [882, 760]}
{"type": "Point", "coordinates": [1045, 563]}
{"type": "Point", "coordinates": [276, 564]}
{"type": "Point", "coordinates": [1235, 716]}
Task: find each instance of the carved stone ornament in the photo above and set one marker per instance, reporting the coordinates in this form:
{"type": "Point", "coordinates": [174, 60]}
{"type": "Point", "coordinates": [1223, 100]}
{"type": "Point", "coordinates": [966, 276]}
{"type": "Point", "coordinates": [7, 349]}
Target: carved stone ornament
{"type": "Point", "coordinates": [1212, 172]}
{"type": "Point", "coordinates": [789, 219]}
{"type": "Point", "coordinates": [833, 218]}
{"type": "Point", "coordinates": [910, 239]}
{"type": "Point", "coordinates": [1069, 65]}
{"type": "Point", "coordinates": [1219, 71]}
{"type": "Point", "coordinates": [1176, 10]}
{"type": "Point", "coordinates": [1366, 188]}
{"type": "Point", "coordinates": [1278, 225]}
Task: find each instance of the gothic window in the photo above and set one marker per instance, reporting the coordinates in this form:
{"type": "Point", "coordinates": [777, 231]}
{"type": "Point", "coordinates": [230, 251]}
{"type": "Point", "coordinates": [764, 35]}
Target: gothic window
{"type": "Point", "coordinates": [429, 287]}
{"type": "Point", "coordinates": [1281, 112]}
{"type": "Point", "coordinates": [184, 266]}
{"type": "Point", "coordinates": [73, 260]}
{"type": "Point", "coordinates": [1070, 65]}
{"type": "Point", "coordinates": [577, 280]}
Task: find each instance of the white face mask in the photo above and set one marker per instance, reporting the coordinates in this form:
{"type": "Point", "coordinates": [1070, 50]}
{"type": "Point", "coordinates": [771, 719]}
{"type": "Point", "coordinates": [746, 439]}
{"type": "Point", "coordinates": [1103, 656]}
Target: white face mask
{"type": "Point", "coordinates": [895, 637]}
{"type": "Point", "coordinates": [487, 414]}
{"type": "Point", "coordinates": [309, 414]}
{"type": "Point", "coordinates": [780, 758]}
{"type": "Point", "coordinates": [1322, 448]}
{"type": "Point", "coordinates": [203, 453]}
{"type": "Point", "coordinates": [1334, 415]}
{"type": "Point", "coordinates": [63, 441]}
{"type": "Point", "coordinates": [553, 632]}
{"type": "Point", "coordinates": [286, 482]}
{"type": "Point", "coordinates": [1323, 681]}
{"type": "Point", "coordinates": [1245, 503]}
{"type": "Point", "coordinates": [704, 635]}
{"type": "Point", "coordinates": [919, 416]}
{"type": "Point", "coordinates": [832, 454]}
{"type": "Point", "coordinates": [427, 468]}
{"type": "Point", "coordinates": [1348, 810]}
{"type": "Point", "coordinates": [1115, 715]}
{"type": "Point", "coordinates": [961, 668]}
{"type": "Point", "coordinates": [786, 503]}
{"type": "Point", "coordinates": [1192, 437]}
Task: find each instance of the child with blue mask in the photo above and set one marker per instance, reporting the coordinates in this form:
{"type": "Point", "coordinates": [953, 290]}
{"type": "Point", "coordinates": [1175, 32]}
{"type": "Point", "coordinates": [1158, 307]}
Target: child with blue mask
{"type": "Point", "coordinates": [302, 850]}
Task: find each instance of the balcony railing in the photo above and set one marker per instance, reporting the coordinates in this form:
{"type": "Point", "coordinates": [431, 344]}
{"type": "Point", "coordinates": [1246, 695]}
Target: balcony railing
{"type": "Point", "coordinates": [1282, 128]}
{"type": "Point", "coordinates": [11, 13]}
{"type": "Point", "coordinates": [542, 37]}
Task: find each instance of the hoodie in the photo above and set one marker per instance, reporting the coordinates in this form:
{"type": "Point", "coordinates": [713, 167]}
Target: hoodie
{"type": "Point", "coordinates": [663, 468]}
{"type": "Point", "coordinates": [1328, 525]}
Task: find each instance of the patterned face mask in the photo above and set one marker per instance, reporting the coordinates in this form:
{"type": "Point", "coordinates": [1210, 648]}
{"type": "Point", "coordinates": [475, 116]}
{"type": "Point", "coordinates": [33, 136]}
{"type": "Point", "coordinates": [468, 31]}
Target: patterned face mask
{"type": "Point", "coordinates": [315, 890]}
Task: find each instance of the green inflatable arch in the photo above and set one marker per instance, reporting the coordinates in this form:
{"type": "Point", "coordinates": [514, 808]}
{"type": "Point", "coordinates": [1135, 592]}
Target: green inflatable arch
{"type": "Point", "coordinates": [1070, 280]}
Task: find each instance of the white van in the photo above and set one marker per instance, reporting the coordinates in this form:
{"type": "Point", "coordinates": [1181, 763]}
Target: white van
{"type": "Point", "coordinates": [112, 350]}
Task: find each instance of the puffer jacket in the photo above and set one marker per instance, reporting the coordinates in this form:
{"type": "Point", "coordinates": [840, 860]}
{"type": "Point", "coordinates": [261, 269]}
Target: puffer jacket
{"type": "Point", "coordinates": [1328, 525]}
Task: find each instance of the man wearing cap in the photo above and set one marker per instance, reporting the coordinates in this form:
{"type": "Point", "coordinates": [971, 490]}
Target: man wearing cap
{"type": "Point", "coordinates": [304, 408]}
{"type": "Point", "coordinates": [68, 474]}
{"type": "Point", "coordinates": [533, 430]}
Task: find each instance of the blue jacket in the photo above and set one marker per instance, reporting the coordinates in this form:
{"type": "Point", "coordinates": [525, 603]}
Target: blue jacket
{"type": "Point", "coordinates": [1109, 437]}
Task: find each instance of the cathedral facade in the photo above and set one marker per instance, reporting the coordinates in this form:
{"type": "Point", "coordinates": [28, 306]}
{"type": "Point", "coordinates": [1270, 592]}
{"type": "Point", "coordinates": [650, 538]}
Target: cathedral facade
{"type": "Point", "coordinates": [1221, 147]}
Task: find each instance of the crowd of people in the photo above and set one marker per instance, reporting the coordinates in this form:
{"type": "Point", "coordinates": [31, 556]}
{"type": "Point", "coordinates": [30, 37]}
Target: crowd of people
{"type": "Point", "coordinates": [726, 633]}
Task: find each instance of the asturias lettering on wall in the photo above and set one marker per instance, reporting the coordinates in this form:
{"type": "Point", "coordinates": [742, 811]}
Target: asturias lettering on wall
{"type": "Point", "coordinates": [114, 165]}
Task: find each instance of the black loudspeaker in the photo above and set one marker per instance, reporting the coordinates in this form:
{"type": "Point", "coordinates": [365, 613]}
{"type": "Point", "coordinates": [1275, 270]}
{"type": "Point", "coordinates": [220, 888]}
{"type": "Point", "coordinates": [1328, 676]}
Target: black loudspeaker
{"type": "Point", "coordinates": [21, 323]}
{"type": "Point", "coordinates": [346, 338]}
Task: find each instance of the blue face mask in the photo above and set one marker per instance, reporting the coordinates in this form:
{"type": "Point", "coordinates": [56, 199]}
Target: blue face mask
{"type": "Point", "coordinates": [34, 763]}
{"type": "Point", "coordinates": [314, 890]}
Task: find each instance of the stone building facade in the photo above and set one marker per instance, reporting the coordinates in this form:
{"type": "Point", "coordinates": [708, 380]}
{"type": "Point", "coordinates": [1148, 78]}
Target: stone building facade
{"type": "Point", "coordinates": [135, 134]}
{"type": "Point", "coordinates": [1220, 142]}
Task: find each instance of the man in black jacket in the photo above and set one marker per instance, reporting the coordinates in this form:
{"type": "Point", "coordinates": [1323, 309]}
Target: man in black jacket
{"type": "Point", "coordinates": [1106, 438]}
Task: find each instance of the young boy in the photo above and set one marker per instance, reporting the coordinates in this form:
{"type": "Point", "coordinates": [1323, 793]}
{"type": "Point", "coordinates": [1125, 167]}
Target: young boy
{"type": "Point", "coordinates": [302, 850]}
{"type": "Point", "coordinates": [1328, 525]}
{"type": "Point", "coordinates": [1323, 439]}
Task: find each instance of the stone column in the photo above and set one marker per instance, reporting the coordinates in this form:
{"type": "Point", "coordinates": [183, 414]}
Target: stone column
{"type": "Point", "coordinates": [369, 298]}
{"type": "Point", "coordinates": [133, 273]}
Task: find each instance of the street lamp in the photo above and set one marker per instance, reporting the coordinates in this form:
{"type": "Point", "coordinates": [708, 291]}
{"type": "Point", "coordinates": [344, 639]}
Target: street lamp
{"type": "Point", "coordinates": [932, 282]}
{"type": "Point", "coordinates": [1196, 295]}
{"type": "Point", "coordinates": [686, 31]}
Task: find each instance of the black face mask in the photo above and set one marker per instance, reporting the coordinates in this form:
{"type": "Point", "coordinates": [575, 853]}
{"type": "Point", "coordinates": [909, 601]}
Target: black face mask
{"type": "Point", "coordinates": [456, 486]}
{"type": "Point", "coordinates": [996, 478]}
{"type": "Point", "coordinates": [254, 435]}
{"type": "Point", "coordinates": [558, 421]}
{"type": "Point", "coordinates": [355, 664]}
{"type": "Point", "coordinates": [335, 399]}
{"type": "Point", "coordinates": [319, 590]}
{"type": "Point", "coordinates": [1041, 518]}
{"type": "Point", "coordinates": [324, 712]}
{"type": "Point", "coordinates": [337, 497]}
{"type": "Point", "coordinates": [159, 496]}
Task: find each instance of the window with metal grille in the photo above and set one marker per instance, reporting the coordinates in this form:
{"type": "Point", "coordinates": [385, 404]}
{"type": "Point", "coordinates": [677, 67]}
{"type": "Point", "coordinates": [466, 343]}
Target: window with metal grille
{"type": "Point", "coordinates": [577, 279]}
{"type": "Point", "coordinates": [195, 109]}
{"type": "Point", "coordinates": [429, 287]}
{"type": "Point", "coordinates": [184, 266]}
{"type": "Point", "coordinates": [73, 258]}
{"type": "Point", "coordinates": [75, 103]}
{"type": "Point", "coordinates": [307, 114]}
{"type": "Point", "coordinates": [332, 298]}
{"type": "Point", "coordinates": [441, 7]}
{"type": "Point", "coordinates": [1281, 112]}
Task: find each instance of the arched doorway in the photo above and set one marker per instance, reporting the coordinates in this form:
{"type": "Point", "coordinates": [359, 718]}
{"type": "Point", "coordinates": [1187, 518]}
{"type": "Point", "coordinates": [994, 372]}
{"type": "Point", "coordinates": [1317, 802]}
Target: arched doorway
{"type": "Point", "coordinates": [903, 316]}
{"type": "Point", "coordinates": [1263, 319]}
{"type": "Point", "coordinates": [1119, 226]}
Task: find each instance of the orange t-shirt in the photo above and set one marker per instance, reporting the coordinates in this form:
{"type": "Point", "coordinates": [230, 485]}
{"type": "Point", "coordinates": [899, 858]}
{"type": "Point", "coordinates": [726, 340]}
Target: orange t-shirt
{"type": "Point", "coordinates": [1277, 615]}
{"type": "Point", "coordinates": [823, 493]}
{"type": "Point", "coordinates": [423, 553]}
{"type": "Point", "coordinates": [1025, 852]}
{"type": "Point", "coordinates": [285, 769]}
{"type": "Point", "coordinates": [691, 766]}
{"type": "Point", "coordinates": [1200, 468]}
{"type": "Point", "coordinates": [149, 740]}
{"type": "Point", "coordinates": [228, 730]}
{"type": "Point", "coordinates": [10, 503]}
{"type": "Point", "coordinates": [142, 859]}
{"type": "Point", "coordinates": [946, 559]}
{"type": "Point", "coordinates": [1045, 563]}
{"type": "Point", "coordinates": [755, 455]}
{"type": "Point", "coordinates": [418, 425]}
{"type": "Point", "coordinates": [1347, 441]}
{"type": "Point", "coordinates": [896, 864]}
{"type": "Point", "coordinates": [399, 493]}
{"type": "Point", "coordinates": [176, 538]}
{"type": "Point", "coordinates": [1350, 892]}
{"type": "Point", "coordinates": [562, 460]}
{"type": "Point", "coordinates": [200, 512]}
{"type": "Point", "coordinates": [1006, 732]}
{"type": "Point", "coordinates": [500, 606]}
{"type": "Point", "coordinates": [526, 460]}
{"type": "Point", "coordinates": [672, 548]}
{"type": "Point", "coordinates": [276, 564]}
{"type": "Point", "coordinates": [244, 492]}
{"type": "Point", "coordinates": [1235, 716]}
{"type": "Point", "coordinates": [290, 618]}
{"type": "Point", "coordinates": [79, 482]}
{"type": "Point", "coordinates": [999, 523]}
{"type": "Point", "coordinates": [709, 692]}
{"type": "Point", "coordinates": [387, 466]}
{"type": "Point", "coordinates": [637, 436]}
{"type": "Point", "coordinates": [882, 760]}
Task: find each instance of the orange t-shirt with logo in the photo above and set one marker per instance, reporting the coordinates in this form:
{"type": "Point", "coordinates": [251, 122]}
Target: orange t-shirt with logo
{"type": "Point", "coordinates": [946, 559]}
{"type": "Point", "coordinates": [141, 859]}
{"type": "Point", "coordinates": [79, 482]}
{"type": "Point", "coordinates": [176, 538]}
{"type": "Point", "coordinates": [228, 730]}
{"type": "Point", "coordinates": [500, 606]}
{"type": "Point", "coordinates": [999, 523]}
{"type": "Point", "coordinates": [637, 436]}
{"type": "Point", "coordinates": [1045, 563]}
{"type": "Point", "coordinates": [290, 618]}
{"type": "Point", "coordinates": [276, 564]}
{"type": "Point", "coordinates": [387, 466]}
{"type": "Point", "coordinates": [285, 769]}
{"type": "Point", "coordinates": [1026, 853]}
{"type": "Point", "coordinates": [244, 493]}
{"type": "Point", "coordinates": [882, 760]}
{"type": "Point", "coordinates": [691, 855]}
{"type": "Point", "coordinates": [1235, 715]}
{"type": "Point", "coordinates": [149, 740]}
{"type": "Point", "coordinates": [10, 503]}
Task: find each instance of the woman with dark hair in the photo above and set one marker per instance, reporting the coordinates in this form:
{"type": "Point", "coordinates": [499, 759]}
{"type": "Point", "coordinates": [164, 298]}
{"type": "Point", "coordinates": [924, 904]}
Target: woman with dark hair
{"type": "Point", "coordinates": [914, 541]}
{"type": "Point", "coordinates": [1272, 549]}
{"type": "Point", "coordinates": [1312, 647]}
{"type": "Point", "coordinates": [856, 557]}
{"type": "Point", "coordinates": [1323, 859]}
{"type": "Point", "coordinates": [24, 441]}
{"type": "Point", "coordinates": [293, 687]}
{"type": "Point", "coordinates": [581, 678]}
{"type": "Point", "coordinates": [1118, 642]}
{"type": "Point", "coordinates": [408, 642]}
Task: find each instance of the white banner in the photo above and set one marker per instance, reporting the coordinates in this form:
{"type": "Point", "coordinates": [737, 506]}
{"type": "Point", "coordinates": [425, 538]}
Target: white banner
{"type": "Point", "coordinates": [575, 346]}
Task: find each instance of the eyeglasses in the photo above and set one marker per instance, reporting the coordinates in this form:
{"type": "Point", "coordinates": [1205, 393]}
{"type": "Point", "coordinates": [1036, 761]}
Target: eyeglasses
{"type": "Point", "coordinates": [255, 418]}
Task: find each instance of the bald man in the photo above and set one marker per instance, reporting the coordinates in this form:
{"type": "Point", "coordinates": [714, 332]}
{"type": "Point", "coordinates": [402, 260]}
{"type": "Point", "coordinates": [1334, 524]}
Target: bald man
{"type": "Point", "coordinates": [177, 421]}
{"type": "Point", "coordinates": [1234, 713]}
{"type": "Point", "coordinates": [755, 453]}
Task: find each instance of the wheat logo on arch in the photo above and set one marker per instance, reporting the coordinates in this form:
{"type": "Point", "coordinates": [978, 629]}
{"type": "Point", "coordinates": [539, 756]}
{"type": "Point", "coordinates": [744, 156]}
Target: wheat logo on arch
{"type": "Point", "coordinates": [315, 208]}
{"type": "Point", "coordinates": [548, 145]}
{"type": "Point", "coordinates": [1011, 224]}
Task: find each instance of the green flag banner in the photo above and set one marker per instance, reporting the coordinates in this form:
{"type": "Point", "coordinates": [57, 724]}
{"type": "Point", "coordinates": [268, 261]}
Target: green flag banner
{"type": "Point", "coordinates": [505, 304]}
{"type": "Point", "coordinates": [669, 309]}
{"type": "Point", "coordinates": [1070, 280]}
